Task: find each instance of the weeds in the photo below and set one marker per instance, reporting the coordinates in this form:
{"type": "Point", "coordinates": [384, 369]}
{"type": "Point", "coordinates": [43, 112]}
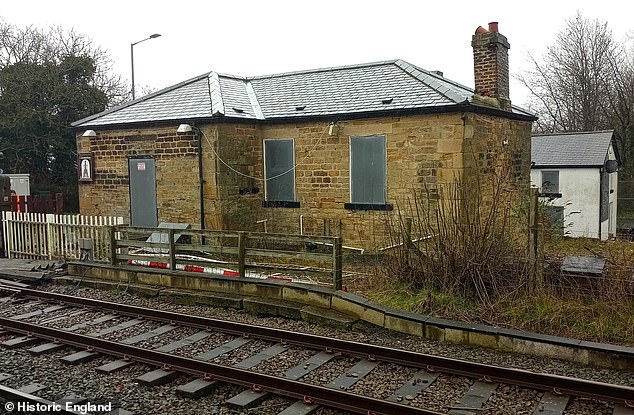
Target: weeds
{"type": "Point", "coordinates": [461, 239]}
{"type": "Point", "coordinates": [460, 251]}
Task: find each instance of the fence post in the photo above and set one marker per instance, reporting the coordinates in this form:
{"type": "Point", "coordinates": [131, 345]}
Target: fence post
{"type": "Point", "coordinates": [172, 251]}
{"type": "Point", "coordinates": [59, 203]}
{"type": "Point", "coordinates": [337, 264]}
{"type": "Point", "coordinates": [536, 275]}
{"type": "Point", "coordinates": [113, 246]}
{"type": "Point", "coordinates": [242, 253]}
{"type": "Point", "coordinates": [326, 227]}
{"type": "Point", "coordinates": [50, 218]}
{"type": "Point", "coordinates": [7, 217]}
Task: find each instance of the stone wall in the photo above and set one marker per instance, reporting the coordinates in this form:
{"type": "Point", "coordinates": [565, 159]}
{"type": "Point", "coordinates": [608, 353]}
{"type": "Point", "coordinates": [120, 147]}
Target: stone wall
{"type": "Point", "coordinates": [423, 151]}
{"type": "Point", "coordinates": [176, 173]}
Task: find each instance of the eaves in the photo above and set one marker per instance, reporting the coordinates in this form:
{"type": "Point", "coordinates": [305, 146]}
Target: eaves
{"type": "Point", "coordinates": [444, 109]}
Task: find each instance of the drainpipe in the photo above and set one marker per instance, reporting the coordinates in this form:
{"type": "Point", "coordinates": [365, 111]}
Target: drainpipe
{"type": "Point", "coordinates": [201, 180]}
{"type": "Point", "coordinates": [600, 199]}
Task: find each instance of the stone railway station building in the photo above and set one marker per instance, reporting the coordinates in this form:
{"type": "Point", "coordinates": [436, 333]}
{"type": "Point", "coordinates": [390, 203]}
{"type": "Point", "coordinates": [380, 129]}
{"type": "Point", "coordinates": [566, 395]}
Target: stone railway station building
{"type": "Point", "coordinates": [348, 145]}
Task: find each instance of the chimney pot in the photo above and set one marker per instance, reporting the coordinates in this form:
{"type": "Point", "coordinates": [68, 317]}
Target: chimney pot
{"type": "Point", "coordinates": [493, 27]}
{"type": "Point", "coordinates": [480, 29]}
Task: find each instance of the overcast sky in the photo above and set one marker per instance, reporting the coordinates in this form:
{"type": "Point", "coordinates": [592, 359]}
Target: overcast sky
{"type": "Point", "coordinates": [250, 37]}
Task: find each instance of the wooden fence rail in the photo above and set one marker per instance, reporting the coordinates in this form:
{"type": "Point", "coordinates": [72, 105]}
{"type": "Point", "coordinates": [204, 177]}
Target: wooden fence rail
{"type": "Point", "coordinates": [49, 236]}
{"type": "Point", "coordinates": [250, 254]}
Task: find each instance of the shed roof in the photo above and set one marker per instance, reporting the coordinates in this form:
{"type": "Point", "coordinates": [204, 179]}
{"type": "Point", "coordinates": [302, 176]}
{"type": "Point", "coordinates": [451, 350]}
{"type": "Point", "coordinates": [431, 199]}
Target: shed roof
{"type": "Point", "coordinates": [580, 149]}
{"type": "Point", "coordinates": [367, 88]}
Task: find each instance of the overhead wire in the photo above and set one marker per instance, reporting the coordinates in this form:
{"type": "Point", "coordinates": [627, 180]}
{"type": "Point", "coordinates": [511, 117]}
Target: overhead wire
{"type": "Point", "coordinates": [301, 162]}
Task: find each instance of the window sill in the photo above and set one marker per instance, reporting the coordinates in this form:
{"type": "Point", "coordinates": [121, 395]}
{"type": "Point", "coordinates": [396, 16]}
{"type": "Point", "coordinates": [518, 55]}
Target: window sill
{"type": "Point", "coordinates": [367, 206]}
{"type": "Point", "coordinates": [550, 195]}
{"type": "Point", "coordinates": [279, 204]}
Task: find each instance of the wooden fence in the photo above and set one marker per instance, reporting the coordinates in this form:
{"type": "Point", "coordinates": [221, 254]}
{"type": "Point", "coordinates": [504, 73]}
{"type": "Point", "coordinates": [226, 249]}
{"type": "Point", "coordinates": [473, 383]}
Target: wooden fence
{"type": "Point", "coordinates": [246, 254]}
{"type": "Point", "coordinates": [49, 236]}
{"type": "Point", "coordinates": [38, 204]}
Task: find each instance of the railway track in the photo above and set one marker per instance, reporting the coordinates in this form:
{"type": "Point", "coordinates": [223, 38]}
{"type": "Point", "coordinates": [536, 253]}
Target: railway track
{"type": "Point", "coordinates": [268, 362]}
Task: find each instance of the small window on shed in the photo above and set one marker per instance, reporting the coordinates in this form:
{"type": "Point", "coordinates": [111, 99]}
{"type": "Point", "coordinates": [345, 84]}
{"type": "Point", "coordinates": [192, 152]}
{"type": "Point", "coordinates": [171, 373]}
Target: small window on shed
{"type": "Point", "coordinates": [550, 182]}
{"type": "Point", "coordinates": [279, 170]}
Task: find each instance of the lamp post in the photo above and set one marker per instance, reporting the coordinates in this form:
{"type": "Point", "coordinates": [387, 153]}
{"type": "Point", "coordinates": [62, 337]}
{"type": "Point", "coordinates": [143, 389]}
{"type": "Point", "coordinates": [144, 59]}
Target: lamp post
{"type": "Point", "coordinates": [155, 35]}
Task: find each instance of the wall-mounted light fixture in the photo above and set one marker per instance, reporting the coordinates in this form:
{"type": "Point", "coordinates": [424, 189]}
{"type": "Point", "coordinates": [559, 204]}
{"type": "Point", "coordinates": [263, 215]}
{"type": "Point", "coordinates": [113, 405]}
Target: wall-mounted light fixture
{"type": "Point", "coordinates": [184, 128]}
{"type": "Point", "coordinates": [334, 129]}
{"type": "Point", "coordinates": [89, 133]}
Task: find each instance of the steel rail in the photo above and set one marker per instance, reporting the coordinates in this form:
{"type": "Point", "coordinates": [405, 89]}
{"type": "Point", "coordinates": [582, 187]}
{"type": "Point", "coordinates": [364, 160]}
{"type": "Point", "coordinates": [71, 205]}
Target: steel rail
{"type": "Point", "coordinates": [540, 381]}
{"type": "Point", "coordinates": [308, 393]}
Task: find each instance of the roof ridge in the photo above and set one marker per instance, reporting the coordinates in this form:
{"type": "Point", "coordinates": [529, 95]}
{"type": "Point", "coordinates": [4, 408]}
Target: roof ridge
{"type": "Point", "coordinates": [571, 133]}
{"type": "Point", "coordinates": [318, 70]}
{"type": "Point", "coordinates": [433, 80]}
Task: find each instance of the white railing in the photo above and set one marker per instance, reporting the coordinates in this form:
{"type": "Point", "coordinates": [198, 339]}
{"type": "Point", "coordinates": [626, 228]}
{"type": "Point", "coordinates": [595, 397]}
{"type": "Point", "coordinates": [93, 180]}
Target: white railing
{"type": "Point", "coordinates": [49, 236]}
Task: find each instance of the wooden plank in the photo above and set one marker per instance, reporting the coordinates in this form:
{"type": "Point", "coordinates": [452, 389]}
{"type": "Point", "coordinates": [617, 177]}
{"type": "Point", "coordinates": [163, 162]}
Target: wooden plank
{"type": "Point", "coordinates": [270, 253]}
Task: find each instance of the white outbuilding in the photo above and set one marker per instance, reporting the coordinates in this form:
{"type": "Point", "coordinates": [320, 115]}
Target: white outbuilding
{"type": "Point", "coordinates": [576, 174]}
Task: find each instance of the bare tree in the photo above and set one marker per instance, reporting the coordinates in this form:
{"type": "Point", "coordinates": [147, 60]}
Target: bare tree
{"type": "Point", "coordinates": [621, 105]}
{"type": "Point", "coordinates": [35, 45]}
{"type": "Point", "coordinates": [571, 86]}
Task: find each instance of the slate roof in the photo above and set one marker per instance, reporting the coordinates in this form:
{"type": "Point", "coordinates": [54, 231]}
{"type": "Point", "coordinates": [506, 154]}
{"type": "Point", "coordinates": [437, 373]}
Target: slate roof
{"type": "Point", "coordinates": [367, 88]}
{"type": "Point", "coordinates": [582, 149]}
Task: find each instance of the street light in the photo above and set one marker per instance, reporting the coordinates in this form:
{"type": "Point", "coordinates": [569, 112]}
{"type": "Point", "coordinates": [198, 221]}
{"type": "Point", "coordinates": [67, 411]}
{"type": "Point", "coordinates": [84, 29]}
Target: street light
{"type": "Point", "coordinates": [155, 35]}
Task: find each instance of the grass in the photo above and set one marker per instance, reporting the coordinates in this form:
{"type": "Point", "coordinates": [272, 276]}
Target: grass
{"type": "Point", "coordinates": [606, 317]}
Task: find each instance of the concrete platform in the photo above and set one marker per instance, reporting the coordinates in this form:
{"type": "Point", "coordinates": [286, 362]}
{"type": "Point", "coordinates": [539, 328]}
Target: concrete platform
{"type": "Point", "coordinates": [328, 317]}
{"type": "Point", "coordinates": [272, 307]}
{"type": "Point", "coordinates": [272, 292]}
{"type": "Point", "coordinates": [31, 271]}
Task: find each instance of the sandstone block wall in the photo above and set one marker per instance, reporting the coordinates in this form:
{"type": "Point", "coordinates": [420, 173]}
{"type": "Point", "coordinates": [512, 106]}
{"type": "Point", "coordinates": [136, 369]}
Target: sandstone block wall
{"type": "Point", "coordinates": [423, 151]}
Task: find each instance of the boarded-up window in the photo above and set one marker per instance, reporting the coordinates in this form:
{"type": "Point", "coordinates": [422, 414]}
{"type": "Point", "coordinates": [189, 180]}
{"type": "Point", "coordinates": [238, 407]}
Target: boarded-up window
{"type": "Point", "coordinates": [279, 170]}
{"type": "Point", "coordinates": [368, 170]}
{"type": "Point", "coordinates": [550, 181]}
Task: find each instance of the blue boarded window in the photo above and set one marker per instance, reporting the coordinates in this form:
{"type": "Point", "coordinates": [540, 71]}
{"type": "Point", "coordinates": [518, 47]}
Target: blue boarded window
{"type": "Point", "coordinates": [368, 170]}
{"type": "Point", "coordinates": [279, 170]}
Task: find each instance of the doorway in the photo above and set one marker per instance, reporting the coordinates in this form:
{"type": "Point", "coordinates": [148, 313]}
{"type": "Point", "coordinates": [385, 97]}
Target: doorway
{"type": "Point", "coordinates": [142, 173]}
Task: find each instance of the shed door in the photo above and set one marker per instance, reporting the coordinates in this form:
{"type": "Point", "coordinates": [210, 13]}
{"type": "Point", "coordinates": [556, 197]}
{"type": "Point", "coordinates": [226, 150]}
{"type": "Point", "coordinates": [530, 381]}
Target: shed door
{"type": "Point", "coordinates": [142, 191]}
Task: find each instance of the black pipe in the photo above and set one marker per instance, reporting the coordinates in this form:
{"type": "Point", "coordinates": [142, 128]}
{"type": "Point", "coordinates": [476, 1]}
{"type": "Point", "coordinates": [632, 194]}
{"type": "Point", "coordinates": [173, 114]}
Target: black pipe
{"type": "Point", "coordinates": [200, 177]}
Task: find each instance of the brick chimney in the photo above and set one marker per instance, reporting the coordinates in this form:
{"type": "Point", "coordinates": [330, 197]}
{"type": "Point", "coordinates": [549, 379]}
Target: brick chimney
{"type": "Point", "coordinates": [491, 67]}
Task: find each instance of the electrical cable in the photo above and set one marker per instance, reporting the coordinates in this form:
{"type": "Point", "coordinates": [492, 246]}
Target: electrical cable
{"type": "Point", "coordinates": [268, 178]}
